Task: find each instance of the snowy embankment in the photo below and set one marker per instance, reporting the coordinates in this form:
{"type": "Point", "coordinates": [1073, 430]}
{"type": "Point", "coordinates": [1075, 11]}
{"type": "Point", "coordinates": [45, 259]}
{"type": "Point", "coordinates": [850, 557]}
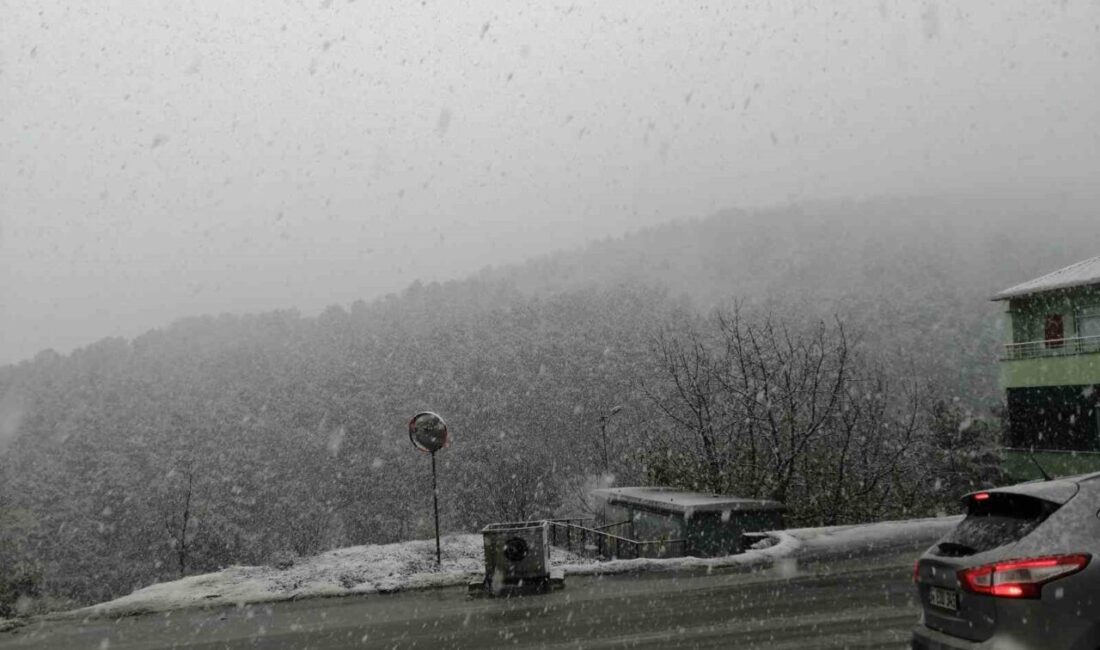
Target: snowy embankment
{"type": "Point", "coordinates": [10, 624]}
{"type": "Point", "coordinates": [795, 542]}
{"type": "Point", "coordinates": [411, 565]}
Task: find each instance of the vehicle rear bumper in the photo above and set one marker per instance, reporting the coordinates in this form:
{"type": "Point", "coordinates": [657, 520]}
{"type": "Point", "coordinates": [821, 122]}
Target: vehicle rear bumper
{"type": "Point", "coordinates": [925, 638]}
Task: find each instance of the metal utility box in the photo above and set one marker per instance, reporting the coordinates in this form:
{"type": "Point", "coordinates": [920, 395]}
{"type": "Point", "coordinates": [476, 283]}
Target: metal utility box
{"type": "Point", "coordinates": [692, 523]}
{"type": "Point", "coordinates": [516, 553]}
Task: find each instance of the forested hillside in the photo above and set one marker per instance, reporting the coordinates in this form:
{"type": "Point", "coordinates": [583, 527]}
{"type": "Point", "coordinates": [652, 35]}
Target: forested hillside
{"type": "Point", "coordinates": [231, 439]}
{"type": "Point", "coordinates": [240, 439]}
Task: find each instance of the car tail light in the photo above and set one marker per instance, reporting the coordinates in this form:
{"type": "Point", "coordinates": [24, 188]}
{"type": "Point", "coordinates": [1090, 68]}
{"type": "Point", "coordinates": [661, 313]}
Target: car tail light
{"type": "Point", "coordinates": [1020, 578]}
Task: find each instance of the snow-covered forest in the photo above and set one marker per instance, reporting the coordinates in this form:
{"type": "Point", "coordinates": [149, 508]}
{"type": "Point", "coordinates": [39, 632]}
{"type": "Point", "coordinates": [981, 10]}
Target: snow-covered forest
{"type": "Point", "coordinates": [838, 357]}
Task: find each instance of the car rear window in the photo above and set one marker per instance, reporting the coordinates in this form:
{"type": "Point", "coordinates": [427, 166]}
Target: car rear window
{"type": "Point", "coordinates": [1001, 519]}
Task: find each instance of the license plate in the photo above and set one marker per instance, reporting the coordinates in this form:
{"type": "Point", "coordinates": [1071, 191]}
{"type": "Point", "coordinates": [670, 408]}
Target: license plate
{"type": "Point", "coordinates": [943, 598]}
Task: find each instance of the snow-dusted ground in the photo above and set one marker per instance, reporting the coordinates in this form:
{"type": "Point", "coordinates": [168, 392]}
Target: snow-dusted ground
{"type": "Point", "coordinates": [788, 543]}
{"type": "Point", "coordinates": [411, 565]}
{"type": "Point", "coordinates": [346, 571]}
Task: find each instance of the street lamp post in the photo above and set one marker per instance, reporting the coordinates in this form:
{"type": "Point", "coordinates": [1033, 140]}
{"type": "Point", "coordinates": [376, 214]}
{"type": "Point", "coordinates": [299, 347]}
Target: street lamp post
{"type": "Point", "coordinates": [603, 434]}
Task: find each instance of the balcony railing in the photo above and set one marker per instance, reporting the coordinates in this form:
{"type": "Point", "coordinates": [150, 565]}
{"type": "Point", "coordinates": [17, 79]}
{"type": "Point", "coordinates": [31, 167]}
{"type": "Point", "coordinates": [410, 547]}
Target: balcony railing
{"type": "Point", "coordinates": [1052, 348]}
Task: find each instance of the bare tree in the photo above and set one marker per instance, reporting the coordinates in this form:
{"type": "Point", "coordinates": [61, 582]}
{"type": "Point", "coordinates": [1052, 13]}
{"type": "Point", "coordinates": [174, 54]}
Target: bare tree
{"type": "Point", "coordinates": [178, 516]}
{"type": "Point", "coordinates": [757, 407]}
{"type": "Point", "coordinates": [509, 483]}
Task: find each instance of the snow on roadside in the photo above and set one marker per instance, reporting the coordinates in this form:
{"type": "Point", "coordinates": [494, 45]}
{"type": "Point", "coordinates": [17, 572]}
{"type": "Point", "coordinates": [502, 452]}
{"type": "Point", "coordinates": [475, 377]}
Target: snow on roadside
{"type": "Point", "coordinates": [7, 624]}
{"type": "Point", "coordinates": [411, 565]}
{"type": "Point", "coordinates": [783, 546]}
{"type": "Point", "coordinates": [353, 570]}
{"type": "Point", "coordinates": [346, 571]}
{"type": "Point", "coordinates": [788, 543]}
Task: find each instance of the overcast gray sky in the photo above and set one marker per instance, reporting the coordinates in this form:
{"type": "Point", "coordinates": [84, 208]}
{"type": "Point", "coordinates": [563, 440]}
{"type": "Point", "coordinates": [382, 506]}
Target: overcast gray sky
{"type": "Point", "coordinates": [162, 159]}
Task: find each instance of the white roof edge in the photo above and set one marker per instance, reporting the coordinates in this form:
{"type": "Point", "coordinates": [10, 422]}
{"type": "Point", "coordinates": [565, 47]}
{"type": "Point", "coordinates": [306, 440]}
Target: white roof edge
{"type": "Point", "coordinates": [677, 499]}
{"type": "Point", "coordinates": [1079, 274]}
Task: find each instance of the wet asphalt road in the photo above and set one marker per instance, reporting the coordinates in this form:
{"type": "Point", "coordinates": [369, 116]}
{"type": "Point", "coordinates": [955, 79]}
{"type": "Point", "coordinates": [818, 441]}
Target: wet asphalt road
{"type": "Point", "coordinates": [865, 601]}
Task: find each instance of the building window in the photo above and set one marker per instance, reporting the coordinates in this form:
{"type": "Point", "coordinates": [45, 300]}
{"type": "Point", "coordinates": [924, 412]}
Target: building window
{"type": "Point", "coordinates": [1088, 324]}
{"type": "Point", "coordinates": [1055, 331]}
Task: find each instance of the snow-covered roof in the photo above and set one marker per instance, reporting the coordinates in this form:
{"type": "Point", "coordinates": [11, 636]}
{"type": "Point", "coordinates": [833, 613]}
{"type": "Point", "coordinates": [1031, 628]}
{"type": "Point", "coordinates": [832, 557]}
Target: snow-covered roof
{"type": "Point", "coordinates": [1080, 274]}
{"type": "Point", "coordinates": [682, 501]}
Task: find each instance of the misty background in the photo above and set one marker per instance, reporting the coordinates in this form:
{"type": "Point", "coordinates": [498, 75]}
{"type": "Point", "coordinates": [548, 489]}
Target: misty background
{"type": "Point", "coordinates": [166, 159]}
{"type": "Point", "coordinates": [241, 244]}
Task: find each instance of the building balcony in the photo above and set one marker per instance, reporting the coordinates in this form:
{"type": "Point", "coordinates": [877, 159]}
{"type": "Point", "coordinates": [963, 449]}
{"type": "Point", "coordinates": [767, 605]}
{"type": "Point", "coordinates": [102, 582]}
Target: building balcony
{"type": "Point", "coordinates": [1057, 362]}
{"type": "Point", "coordinates": [1051, 348]}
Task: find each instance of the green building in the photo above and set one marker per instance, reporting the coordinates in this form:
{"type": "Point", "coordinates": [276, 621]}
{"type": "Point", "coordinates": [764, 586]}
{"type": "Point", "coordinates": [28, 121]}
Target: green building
{"type": "Point", "coordinates": [1050, 368]}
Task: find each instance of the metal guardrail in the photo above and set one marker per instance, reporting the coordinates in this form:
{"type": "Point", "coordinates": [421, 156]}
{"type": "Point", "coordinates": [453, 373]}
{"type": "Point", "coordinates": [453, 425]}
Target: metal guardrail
{"type": "Point", "coordinates": [598, 544]}
{"type": "Point", "coordinates": [1052, 348]}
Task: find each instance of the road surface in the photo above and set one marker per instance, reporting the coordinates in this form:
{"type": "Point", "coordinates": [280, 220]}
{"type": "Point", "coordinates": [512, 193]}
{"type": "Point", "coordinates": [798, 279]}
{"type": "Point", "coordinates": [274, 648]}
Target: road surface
{"type": "Point", "coordinates": [855, 600]}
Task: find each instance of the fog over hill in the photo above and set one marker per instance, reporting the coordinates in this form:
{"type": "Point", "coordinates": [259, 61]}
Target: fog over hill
{"type": "Point", "coordinates": [912, 275]}
{"type": "Point", "coordinates": [290, 154]}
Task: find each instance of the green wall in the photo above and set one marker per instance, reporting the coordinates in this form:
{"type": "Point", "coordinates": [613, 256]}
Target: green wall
{"type": "Point", "coordinates": [1052, 400]}
{"type": "Point", "coordinates": [1027, 317]}
{"type": "Point", "coordinates": [1079, 370]}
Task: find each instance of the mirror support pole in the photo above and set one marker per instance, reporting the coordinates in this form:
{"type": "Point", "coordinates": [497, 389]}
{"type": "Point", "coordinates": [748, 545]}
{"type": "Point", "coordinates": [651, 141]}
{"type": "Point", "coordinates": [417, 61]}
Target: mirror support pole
{"type": "Point", "coordinates": [435, 504]}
